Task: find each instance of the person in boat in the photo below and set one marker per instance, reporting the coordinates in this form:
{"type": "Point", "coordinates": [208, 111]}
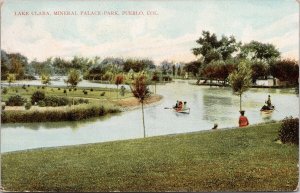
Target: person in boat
{"type": "Point", "coordinates": [268, 102]}
{"type": "Point", "coordinates": [184, 107]}
{"type": "Point", "coordinates": [243, 120]}
{"type": "Point", "coordinates": [176, 105]}
{"type": "Point", "coordinates": [180, 105]}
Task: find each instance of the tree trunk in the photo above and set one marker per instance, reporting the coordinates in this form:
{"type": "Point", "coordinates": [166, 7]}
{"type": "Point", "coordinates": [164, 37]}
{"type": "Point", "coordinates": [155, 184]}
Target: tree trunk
{"type": "Point", "coordinates": [240, 102]}
{"type": "Point", "coordinates": [143, 119]}
{"type": "Point", "coordinates": [117, 92]}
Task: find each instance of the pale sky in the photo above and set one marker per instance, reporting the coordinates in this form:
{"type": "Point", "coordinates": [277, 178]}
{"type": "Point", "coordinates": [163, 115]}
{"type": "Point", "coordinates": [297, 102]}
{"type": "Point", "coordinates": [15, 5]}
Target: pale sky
{"type": "Point", "coordinates": [169, 35]}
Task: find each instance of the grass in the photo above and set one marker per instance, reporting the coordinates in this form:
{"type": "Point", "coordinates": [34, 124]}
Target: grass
{"type": "Point", "coordinates": [53, 91]}
{"type": "Point", "coordinates": [243, 159]}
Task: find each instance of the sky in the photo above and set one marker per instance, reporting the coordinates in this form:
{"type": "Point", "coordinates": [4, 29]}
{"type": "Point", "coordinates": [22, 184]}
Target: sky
{"type": "Point", "coordinates": [168, 35]}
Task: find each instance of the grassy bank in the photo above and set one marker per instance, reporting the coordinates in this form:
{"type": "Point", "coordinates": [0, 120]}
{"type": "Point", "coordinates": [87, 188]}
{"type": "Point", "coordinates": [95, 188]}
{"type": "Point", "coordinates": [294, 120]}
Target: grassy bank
{"type": "Point", "coordinates": [92, 93]}
{"type": "Point", "coordinates": [246, 159]}
{"type": "Point", "coordinates": [61, 114]}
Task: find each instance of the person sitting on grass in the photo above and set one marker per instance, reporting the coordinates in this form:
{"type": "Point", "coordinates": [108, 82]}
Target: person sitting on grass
{"type": "Point", "coordinates": [243, 120]}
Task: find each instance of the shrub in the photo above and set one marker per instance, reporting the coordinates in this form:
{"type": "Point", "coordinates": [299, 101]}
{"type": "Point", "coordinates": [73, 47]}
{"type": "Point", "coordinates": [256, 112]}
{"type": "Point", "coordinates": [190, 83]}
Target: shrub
{"type": "Point", "coordinates": [3, 107]}
{"type": "Point", "coordinates": [65, 91]}
{"type": "Point", "coordinates": [102, 94]}
{"type": "Point", "coordinates": [55, 101]}
{"type": "Point", "coordinates": [38, 87]}
{"type": "Point", "coordinates": [43, 87]}
{"type": "Point", "coordinates": [24, 87]}
{"type": "Point", "coordinates": [91, 90]}
{"type": "Point", "coordinates": [58, 89]}
{"type": "Point", "coordinates": [4, 90]}
{"type": "Point", "coordinates": [56, 115]}
{"type": "Point", "coordinates": [41, 104]}
{"type": "Point", "coordinates": [85, 92]}
{"type": "Point", "coordinates": [27, 106]}
{"type": "Point", "coordinates": [289, 131]}
{"type": "Point", "coordinates": [75, 89]}
{"type": "Point", "coordinates": [17, 90]}
{"type": "Point", "coordinates": [37, 96]}
{"type": "Point", "coordinates": [70, 89]}
{"type": "Point", "coordinates": [16, 100]}
{"type": "Point", "coordinates": [28, 85]}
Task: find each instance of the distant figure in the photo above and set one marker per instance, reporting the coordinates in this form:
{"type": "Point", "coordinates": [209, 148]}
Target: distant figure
{"type": "Point", "coordinates": [268, 102]}
{"type": "Point", "coordinates": [243, 120]}
{"type": "Point", "coordinates": [176, 105]}
{"type": "Point", "coordinates": [215, 126]}
{"type": "Point", "coordinates": [184, 106]}
{"type": "Point", "coordinates": [179, 106]}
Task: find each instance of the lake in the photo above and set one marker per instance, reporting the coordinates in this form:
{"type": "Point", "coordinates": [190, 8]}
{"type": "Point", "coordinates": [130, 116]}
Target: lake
{"type": "Point", "coordinates": [209, 105]}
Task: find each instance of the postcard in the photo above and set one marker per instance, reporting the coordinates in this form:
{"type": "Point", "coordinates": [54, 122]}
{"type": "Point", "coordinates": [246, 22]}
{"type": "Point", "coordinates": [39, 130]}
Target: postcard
{"type": "Point", "coordinates": [153, 95]}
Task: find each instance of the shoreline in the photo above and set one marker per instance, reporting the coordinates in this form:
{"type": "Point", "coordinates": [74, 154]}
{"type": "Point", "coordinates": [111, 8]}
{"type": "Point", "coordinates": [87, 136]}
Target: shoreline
{"type": "Point", "coordinates": [149, 137]}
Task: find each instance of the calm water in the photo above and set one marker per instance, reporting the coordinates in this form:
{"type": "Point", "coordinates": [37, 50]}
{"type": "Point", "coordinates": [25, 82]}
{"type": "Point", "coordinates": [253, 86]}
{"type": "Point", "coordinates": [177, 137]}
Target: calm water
{"type": "Point", "coordinates": [208, 105]}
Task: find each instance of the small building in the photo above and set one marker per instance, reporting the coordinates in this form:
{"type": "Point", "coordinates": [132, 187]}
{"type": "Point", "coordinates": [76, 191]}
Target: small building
{"type": "Point", "coordinates": [269, 81]}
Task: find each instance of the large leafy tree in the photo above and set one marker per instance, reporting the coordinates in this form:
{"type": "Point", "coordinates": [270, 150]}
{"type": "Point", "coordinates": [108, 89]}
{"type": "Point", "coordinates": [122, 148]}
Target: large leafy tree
{"type": "Point", "coordinates": [240, 79]}
{"type": "Point", "coordinates": [210, 48]}
{"type": "Point", "coordinates": [285, 70]}
{"type": "Point", "coordinates": [141, 91]}
{"type": "Point", "coordinates": [259, 51]}
{"type": "Point", "coordinates": [259, 69]}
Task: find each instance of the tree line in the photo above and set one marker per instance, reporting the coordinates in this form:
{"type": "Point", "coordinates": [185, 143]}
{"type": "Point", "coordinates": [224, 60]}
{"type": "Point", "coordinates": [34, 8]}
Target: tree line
{"type": "Point", "coordinates": [218, 58]}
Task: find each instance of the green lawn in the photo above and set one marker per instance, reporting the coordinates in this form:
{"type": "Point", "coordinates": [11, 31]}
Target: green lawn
{"type": "Point", "coordinates": [242, 159]}
{"type": "Point", "coordinates": [54, 91]}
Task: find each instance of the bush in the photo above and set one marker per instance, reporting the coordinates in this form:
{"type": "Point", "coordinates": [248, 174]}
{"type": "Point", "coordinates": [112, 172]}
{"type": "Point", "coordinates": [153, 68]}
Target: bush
{"type": "Point", "coordinates": [24, 87]}
{"type": "Point", "coordinates": [4, 90]}
{"type": "Point", "coordinates": [85, 92]}
{"type": "Point", "coordinates": [17, 90]}
{"type": "Point", "coordinates": [91, 90]}
{"type": "Point", "coordinates": [28, 85]}
{"type": "Point", "coordinates": [38, 87]}
{"type": "Point", "coordinates": [41, 104]}
{"type": "Point", "coordinates": [70, 89]}
{"type": "Point", "coordinates": [289, 131]}
{"type": "Point", "coordinates": [37, 96]}
{"type": "Point", "coordinates": [27, 106]}
{"type": "Point", "coordinates": [43, 87]}
{"type": "Point", "coordinates": [102, 94]}
{"type": "Point", "coordinates": [55, 101]}
{"type": "Point", "coordinates": [65, 91]}
{"type": "Point", "coordinates": [3, 107]}
{"type": "Point", "coordinates": [75, 89]}
{"type": "Point", "coordinates": [58, 89]}
{"type": "Point", "coordinates": [56, 115]}
{"type": "Point", "coordinates": [16, 100]}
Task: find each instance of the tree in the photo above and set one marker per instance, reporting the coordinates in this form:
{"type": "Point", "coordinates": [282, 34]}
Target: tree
{"type": "Point", "coordinates": [179, 71]}
{"type": "Point", "coordinates": [11, 78]}
{"type": "Point", "coordinates": [119, 79]}
{"type": "Point", "coordinates": [213, 49]}
{"type": "Point", "coordinates": [155, 79]}
{"type": "Point", "coordinates": [73, 78]}
{"type": "Point", "coordinates": [174, 70]}
{"type": "Point", "coordinates": [259, 51]}
{"type": "Point", "coordinates": [45, 79]}
{"type": "Point", "coordinates": [240, 80]}
{"type": "Point", "coordinates": [285, 70]}
{"type": "Point", "coordinates": [141, 91]}
{"type": "Point", "coordinates": [259, 69]}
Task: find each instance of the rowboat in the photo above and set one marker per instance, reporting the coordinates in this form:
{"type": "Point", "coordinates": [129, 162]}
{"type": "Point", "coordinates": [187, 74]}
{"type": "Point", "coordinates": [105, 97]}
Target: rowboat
{"type": "Point", "coordinates": [266, 109]}
{"type": "Point", "coordinates": [185, 111]}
